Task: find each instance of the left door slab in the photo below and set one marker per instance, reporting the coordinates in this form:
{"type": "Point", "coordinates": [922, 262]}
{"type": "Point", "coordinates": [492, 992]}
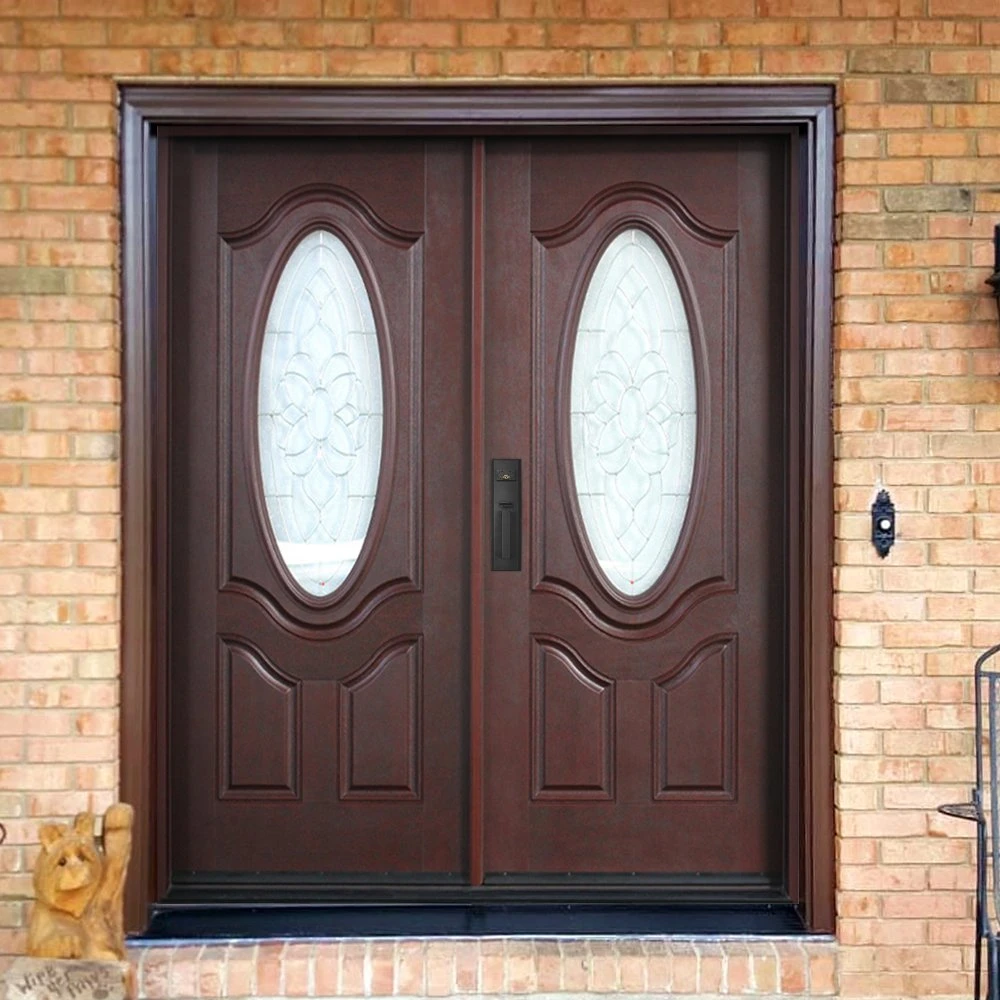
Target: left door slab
{"type": "Point", "coordinates": [316, 484]}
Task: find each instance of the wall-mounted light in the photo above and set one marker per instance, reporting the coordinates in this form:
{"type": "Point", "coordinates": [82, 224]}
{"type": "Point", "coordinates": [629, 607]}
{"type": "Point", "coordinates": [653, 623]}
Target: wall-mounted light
{"type": "Point", "coordinates": [994, 279]}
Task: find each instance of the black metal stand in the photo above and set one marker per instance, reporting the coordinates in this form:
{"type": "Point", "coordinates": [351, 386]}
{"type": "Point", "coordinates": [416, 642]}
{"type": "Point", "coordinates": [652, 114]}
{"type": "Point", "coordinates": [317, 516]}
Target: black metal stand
{"type": "Point", "coordinates": [982, 810]}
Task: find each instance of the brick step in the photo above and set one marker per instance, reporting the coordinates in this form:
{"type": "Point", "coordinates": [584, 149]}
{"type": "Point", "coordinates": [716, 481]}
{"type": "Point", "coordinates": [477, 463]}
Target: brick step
{"type": "Point", "coordinates": [442, 967]}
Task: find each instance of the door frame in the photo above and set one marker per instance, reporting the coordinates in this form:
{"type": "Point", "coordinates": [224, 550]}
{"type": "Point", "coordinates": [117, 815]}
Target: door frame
{"type": "Point", "coordinates": [804, 113]}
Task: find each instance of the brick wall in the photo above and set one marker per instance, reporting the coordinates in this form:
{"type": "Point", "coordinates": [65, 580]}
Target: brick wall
{"type": "Point", "coordinates": [917, 386]}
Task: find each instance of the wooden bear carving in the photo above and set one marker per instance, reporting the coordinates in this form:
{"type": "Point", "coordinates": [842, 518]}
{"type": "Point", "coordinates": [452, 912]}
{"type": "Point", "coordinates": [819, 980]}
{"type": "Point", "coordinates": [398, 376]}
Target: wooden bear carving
{"type": "Point", "coordinates": [79, 887]}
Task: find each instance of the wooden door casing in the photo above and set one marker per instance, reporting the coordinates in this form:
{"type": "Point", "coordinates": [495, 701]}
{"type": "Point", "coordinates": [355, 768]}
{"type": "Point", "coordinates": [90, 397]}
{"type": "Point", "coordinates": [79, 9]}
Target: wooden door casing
{"type": "Point", "coordinates": [153, 120]}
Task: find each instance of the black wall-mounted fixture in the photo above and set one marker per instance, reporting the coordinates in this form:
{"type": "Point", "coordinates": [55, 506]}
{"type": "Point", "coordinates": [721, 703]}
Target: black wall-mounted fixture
{"type": "Point", "coordinates": [994, 279]}
{"type": "Point", "coordinates": [883, 523]}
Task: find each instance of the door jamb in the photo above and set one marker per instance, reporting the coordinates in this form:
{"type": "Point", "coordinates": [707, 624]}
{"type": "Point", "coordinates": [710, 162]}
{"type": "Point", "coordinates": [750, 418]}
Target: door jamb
{"type": "Point", "coordinates": [806, 111]}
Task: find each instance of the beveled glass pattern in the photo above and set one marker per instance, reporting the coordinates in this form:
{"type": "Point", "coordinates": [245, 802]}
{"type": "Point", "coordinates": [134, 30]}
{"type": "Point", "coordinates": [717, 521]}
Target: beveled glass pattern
{"type": "Point", "coordinates": [633, 412]}
{"type": "Point", "coordinates": [320, 413]}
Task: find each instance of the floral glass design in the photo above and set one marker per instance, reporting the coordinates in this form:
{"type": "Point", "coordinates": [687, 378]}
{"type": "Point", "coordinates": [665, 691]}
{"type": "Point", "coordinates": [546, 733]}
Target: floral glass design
{"type": "Point", "coordinates": [320, 413]}
{"type": "Point", "coordinates": [633, 412]}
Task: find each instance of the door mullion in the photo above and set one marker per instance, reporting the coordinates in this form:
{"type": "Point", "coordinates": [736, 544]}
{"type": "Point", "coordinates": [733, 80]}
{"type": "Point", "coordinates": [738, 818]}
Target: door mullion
{"type": "Point", "coordinates": [477, 570]}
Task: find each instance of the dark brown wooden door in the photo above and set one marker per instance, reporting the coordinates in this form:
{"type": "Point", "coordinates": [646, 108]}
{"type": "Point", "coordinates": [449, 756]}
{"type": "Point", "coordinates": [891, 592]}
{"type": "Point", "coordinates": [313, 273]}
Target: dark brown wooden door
{"type": "Point", "coordinates": [637, 735]}
{"type": "Point", "coordinates": [634, 716]}
{"type": "Point", "coordinates": [317, 734]}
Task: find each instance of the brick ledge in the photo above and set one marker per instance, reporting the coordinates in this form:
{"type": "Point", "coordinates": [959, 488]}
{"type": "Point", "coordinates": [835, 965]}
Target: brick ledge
{"type": "Point", "coordinates": [442, 967]}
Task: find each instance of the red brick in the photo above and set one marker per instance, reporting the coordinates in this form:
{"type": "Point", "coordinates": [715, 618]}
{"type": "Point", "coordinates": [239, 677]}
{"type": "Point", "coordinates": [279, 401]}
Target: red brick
{"type": "Point", "coordinates": [157, 34]}
{"type": "Point", "coordinates": [32, 114]}
{"type": "Point", "coordinates": [548, 961]}
{"type": "Point", "coordinates": [501, 34]}
{"type": "Point", "coordinates": [280, 63]}
{"type": "Point", "coordinates": [279, 8]}
{"type": "Point", "coordinates": [929, 144]}
{"type": "Point", "coordinates": [83, 33]}
{"type": "Point", "coordinates": [269, 969]}
{"type": "Point", "coordinates": [327, 968]}
{"type": "Point", "coordinates": [29, 8]}
{"type": "Point", "coordinates": [441, 34]}
{"type": "Point", "coordinates": [411, 968]}
{"type": "Point", "coordinates": [603, 977]}
{"type": "Point", "coordinates": [116, 62]}
{"type": "Point", "coordinates": [98, 8]}
{"type": "Point", "coordinates": [195, 62]}
{"type": "Point", "coordinates": [211, 972]}
{"type": "Point", "coordinates": [616, 9]}
{"type": "Point", "coordinates": [940, 32]}
{"type": "Point", "coordinates": [953, 8]}
{"type": "Point", "coordinates": [717, 62]}
{"type": "Point", "coordinates": [633, 62]}
{"type": "Point", "coordinates": [540, 8]}
{"type": "Point", "coordinates": [477, 63]}
{"type": "Point", "coordinates": [543, 63]}
{"type": "Point", "coordinates": [768, 33]}
{"type": "Point", "coordinates": [599, 35]}
{"type": "Point", "coordinates": [59, 89]}
{"type": "Point", "coordinates": [715, 8]}
{"type": "Point", "coordinates": [851, 32]}
{"type": "Point", "coordinates": [263, 34]}
{"type": "Point", "coordinates": [444, 9]}
{"type": "Point", "coordinates": [368, 62]}
{"type": "Point", "coordinates": [440, 968]}
{"type": "Point", "coordinates": [697, 34]}
{"type": "Point", "coordinates": [794, 970]}
{"type": "Point", "coordinates": [491, 967]}
{"type": "Point", "coordinates": [352, 968]}
{"type": "Point", "coordinates": [296, 963]}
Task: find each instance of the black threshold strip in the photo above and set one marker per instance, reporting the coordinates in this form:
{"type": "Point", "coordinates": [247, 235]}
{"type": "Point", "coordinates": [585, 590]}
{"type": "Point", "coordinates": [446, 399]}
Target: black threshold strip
{"type": "Point", "coordinates": [459, 920]}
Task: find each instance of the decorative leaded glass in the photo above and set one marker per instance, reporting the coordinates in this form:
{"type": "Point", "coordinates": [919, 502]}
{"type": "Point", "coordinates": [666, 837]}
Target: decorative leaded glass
{"type": "Point", "coordinates": [633, 412]}
{"type": "Point", "coordinates": [320, 413]}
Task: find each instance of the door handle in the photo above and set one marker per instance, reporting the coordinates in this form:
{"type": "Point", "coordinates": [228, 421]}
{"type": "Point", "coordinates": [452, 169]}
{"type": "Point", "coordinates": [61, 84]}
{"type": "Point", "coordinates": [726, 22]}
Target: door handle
{"type": "Point", "coordinates": [506, 514]}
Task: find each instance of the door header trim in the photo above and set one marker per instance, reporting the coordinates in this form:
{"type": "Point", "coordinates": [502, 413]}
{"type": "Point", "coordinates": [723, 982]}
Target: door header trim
{"type": "Point", "coordinates": [151, 114]}
{"type": "Point", "coordinates": [481, 109]}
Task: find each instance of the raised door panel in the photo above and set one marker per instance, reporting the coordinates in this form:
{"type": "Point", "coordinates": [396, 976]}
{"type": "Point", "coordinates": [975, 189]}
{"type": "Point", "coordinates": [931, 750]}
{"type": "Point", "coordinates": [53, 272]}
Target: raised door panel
{"type": "Point", "coordinates": [380, 720]}
{"type": "Point", "coordinates": [573, 727]}
{"type": "Point", "coordinates": [254, 699]}
{"type": "Point", "coordinates": [694, 725]}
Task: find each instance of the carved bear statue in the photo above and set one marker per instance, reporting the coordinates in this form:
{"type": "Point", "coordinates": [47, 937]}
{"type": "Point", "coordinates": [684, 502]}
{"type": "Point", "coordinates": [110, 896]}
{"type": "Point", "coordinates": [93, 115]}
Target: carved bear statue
{"type": "Point", "coordinates": [79, 887]}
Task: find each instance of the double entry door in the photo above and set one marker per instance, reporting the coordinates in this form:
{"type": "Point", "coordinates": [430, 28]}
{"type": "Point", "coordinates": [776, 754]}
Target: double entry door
{"type": "Point", "coordinates": [476, 569]}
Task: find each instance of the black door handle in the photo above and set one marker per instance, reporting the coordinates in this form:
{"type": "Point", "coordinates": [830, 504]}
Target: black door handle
{"type": "Point", "coordinates": [506, 514]}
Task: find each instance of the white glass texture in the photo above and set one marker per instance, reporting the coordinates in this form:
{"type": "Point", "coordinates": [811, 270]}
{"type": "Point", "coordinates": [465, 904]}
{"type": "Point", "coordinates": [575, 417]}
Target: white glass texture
{"type": "Point", "coordinates": [319, 413]}
{"type": "Point", "coordinates": [633, 412]}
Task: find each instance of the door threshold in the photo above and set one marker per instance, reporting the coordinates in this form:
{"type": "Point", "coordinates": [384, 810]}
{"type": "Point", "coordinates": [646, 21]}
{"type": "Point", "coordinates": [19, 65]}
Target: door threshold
{"type": "Point", "coordinates": [467, 920]}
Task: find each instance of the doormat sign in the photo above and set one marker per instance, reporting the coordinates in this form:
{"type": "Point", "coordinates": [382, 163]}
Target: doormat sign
{"type": "Point", "coordinates": [60, 979]}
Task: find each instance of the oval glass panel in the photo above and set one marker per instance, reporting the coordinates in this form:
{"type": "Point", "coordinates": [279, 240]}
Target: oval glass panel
{"type": "Point", "coordinates": [319, 413]}
{"type": "Point", "coordinates": [633, 412]}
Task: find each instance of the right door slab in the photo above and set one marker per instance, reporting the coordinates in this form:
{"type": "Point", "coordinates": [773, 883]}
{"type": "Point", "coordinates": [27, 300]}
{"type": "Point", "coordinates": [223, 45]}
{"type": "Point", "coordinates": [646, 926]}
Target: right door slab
{"type": "Point", "coordinates": [636, 670]}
